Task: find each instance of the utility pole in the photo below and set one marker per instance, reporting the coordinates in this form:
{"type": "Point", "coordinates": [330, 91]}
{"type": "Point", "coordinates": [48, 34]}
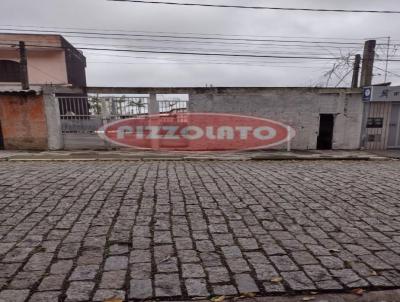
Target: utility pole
{"type": "Point", "coordinates": [368, 63]}
{"type": "Point", "coordinates": [23, 66]}
{"type": "Point", "coordinates": [356, 71]}
{"type": "Point", "coordinates": [387, 58]}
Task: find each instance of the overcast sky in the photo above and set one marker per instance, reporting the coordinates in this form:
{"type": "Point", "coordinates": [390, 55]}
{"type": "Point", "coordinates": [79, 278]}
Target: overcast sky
{"type": "Point", "coordinates": [135, 69]}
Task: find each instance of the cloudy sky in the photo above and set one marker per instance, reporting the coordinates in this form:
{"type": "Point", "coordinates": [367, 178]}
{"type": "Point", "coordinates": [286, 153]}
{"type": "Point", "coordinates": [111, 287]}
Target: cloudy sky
{"type": "Point", "coordinates": [131, 26]}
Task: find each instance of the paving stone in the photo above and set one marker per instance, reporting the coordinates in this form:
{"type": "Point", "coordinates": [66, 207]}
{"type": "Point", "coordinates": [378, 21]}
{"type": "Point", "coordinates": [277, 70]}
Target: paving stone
{"type": "Point", "coordinates": [113, 279]}
{"type": "Point", "coordinates": [223, 239]}
{"type": "Point", "coordinates": [79, 291]}
{"type": "Point", "coordinates": [161, 237]}
{"type": "Point", "coordinates": [140, 271]}
{"type": "Point", "coordinates": [84, 272]}
{"type": "Point", "coordinates": [61, 267]}
{"type": "Point", "coordinates": [331, 262]}
{"type": "Point", "coordinates": [273, 249]}
{"type": "Point", "coordinates": [217, 274]}
{"type": "Point", "coordinates": [168, 265]}
{"type": "Point", "coordinates": [303, 258]}
{"type": "Point", "coordinates": [52, 282]}
{"type": "Point", "coordinates": [167, 285]}
{"type": "Point", "coordinates": [265, 271]}
{"type": "Point", "coordinates": [298, 281]}
{"type": "Point", "coordinates": [118, 249]}
{"type": "Point", "coordinates": [238, 265]}
{"type": "Point", "coordinates": [115, 263]}
{"type": "Point", "coordinates": [17, 255]}
{"type": "Point", "coordinates": [197, 226]}
{"type": "Point", "coordinates": [231, 252]}
{"type": "Point", "coordinates": [25, 280]}
{"type": "Point", "coordinates": [106, 294]}
{"type": "Point", "coordinates": [8, 269]}
{"type": "Point", "coordinates": [183, 243]}
{"type": "Point", "coordinates": [205, 246]}
{"type": "Point", "coordinates": [141, 243]}
{"type": "Point", "coordinates": [284, 263]}
{"type": "Point", "coordinates": [9, 295]}
{"type": "Point", "coordinates": [210, 259]}
{"type": "Point", "coordinates": [224, 290]}
{"type": "Point", "coordinates": [48, 296]}
{"type": "Point", "coordinates": [272, 288]}
{"type": "Point", "coordinates": [245, 283]}
{"type": "Point", "coordinates": [140, 289]}
{"type": "Point", "coordinates": [329, 285]}
{"type": "Point", "coordinates": [349, 278]}
{"type": "Point", "coordinates": [188, 256]}
{"type": "Point", "coordinates": [139, 256]}
{"type": "Point", "coordinates": [379, 281]}
{"type": "Point", "coordinates": [196, 287]}
{"type": "Point", "coordinates": [190, 270]}
{"type": "Point", "coordinates": [248, 243]}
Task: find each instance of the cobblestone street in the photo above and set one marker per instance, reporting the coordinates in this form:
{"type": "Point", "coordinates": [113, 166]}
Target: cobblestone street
{"type": "Point", "coordinates": [88, 231]}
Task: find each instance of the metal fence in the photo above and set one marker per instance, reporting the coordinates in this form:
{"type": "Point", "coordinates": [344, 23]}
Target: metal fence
{"type": "Point", "coordinates": [172, 106]}
{"type": "Point", "coordinates": [88, 114]}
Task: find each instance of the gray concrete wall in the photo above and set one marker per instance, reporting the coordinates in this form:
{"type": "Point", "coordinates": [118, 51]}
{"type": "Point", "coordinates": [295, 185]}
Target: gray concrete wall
{"type": "Point", "coordinates": [53, 121]}
{"type": "Point", "coordinates": [297, 107]}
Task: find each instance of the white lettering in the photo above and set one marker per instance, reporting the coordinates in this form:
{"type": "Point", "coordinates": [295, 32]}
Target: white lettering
{"type": "Point", "coordinates": [244, 131]}
{"type": "Point", "coordinates": [154, 132]}
{"type": "Point", "coordinates": [139, 132]}
{"type": "Point", "coordinates": [123, 130]}
{"type": "Point", "coordinates": [271, 133]}
{"type": "Point", "coordinates": [171, 132]}
{"type": "Point", "coordinates": [185, 132]}
{"type": "Point", "coordinates": [210, 133]}
{"type": "Point", "coordinates": [225, 133]}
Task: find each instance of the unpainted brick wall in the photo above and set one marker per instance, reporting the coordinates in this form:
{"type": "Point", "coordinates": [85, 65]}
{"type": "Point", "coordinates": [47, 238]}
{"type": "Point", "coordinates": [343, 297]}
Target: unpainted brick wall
{"type": "Point", "coordinates": [23, 122]}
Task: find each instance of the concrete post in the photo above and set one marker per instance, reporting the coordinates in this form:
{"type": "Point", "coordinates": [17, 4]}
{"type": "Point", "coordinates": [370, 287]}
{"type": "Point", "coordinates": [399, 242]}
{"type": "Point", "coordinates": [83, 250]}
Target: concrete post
{"type": "Point", "coordinates": [356, 71]}
{"type": "Point", "coordinates": [23, 66]}
{"type": "Point", "coordinates": [153, 104]}
{"type": "Point", "coordinates": [368, 63]}
{"type": "Point", "coordinates": [55, 139]}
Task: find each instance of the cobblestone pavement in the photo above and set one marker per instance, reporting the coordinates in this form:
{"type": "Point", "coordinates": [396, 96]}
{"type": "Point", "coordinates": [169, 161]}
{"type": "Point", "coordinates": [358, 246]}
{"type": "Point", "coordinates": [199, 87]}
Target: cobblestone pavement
{"type": "Point", "coordinates": [83, 231]}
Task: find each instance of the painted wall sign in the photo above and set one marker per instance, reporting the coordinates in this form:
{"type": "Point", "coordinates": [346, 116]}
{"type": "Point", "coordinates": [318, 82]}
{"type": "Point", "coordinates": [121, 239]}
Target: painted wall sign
{"type": "Point", "coordinates": [197, 132]}
{"type": "Point", "coordinates": [381, 94]}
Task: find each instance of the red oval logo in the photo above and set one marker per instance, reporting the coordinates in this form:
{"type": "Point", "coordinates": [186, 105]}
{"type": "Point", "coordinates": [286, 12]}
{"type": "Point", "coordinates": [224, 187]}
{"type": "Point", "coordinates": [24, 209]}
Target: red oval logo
{"type": "Point", "coordinates": [197, 132]}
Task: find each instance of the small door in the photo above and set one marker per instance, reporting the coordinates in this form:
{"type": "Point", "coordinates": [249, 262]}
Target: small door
{"type": "Point", "coordinates": [1, 138]}
{"type": "Point", "coordinates": [325, 136]}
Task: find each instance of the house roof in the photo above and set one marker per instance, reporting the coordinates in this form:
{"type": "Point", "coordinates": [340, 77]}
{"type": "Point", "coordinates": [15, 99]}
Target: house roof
{"type": "Point", "coordinates": [15, 89]}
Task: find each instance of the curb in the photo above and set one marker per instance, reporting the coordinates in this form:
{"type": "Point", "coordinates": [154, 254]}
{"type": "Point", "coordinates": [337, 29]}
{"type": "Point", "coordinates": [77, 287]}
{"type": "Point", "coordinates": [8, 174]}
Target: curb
{"type": "Point", "coordinates": [392, 295]}
{"type": "Point", "coordinates": [283, 158]}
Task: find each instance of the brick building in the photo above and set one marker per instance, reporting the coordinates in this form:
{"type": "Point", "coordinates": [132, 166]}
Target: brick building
{"type": "Point", "coordinates": [50, 61]}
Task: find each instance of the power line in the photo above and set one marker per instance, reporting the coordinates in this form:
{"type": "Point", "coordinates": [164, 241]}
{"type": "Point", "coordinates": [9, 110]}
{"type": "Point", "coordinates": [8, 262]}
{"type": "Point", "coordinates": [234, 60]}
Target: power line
{"type": "Point", "coordinates": [262, 7]}
{"type": "Point", "coordinates": [185, 53]}
{"type": "Point", "coordinates": [184, 37]}
{"type": "Point", "coordinates": [188, 33]}
{"type": "Point", "coordinates": [191, 53]}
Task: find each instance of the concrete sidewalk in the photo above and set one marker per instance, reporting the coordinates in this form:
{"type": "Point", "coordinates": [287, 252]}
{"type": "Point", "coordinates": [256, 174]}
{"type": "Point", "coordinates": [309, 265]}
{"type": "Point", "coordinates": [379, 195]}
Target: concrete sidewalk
{"type": "Point", "coordinates": [129, 155]}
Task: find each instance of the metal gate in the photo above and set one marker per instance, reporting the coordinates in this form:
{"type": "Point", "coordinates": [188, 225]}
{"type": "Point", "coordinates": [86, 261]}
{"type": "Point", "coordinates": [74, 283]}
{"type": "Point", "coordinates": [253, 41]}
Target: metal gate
{"type": "Point", "coordinates": [377, 125]}
{"type": "Point", "coordinates": [394, 127]}
{"type": "Point", "coordinates": [81, 117]}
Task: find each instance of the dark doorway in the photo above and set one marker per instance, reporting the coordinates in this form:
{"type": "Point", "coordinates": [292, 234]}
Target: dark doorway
{"type": "Point", "coordinates": [1, 138]}
{"type": "Point", "coordinates": [325, 137]}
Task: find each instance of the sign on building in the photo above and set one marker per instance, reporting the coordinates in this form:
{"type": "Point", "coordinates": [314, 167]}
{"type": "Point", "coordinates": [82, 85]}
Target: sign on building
{"type": "Point", "coordinates": [381, 94]}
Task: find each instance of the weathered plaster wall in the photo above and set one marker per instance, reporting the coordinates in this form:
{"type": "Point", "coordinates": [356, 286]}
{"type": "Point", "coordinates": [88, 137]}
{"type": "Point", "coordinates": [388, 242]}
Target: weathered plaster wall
{"type": "Point", "coordinates": [45, 66]}
{"type": "Point", "coordinates": [297, 107]}
{"type": "Point", "coordinates": [23, 122]}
